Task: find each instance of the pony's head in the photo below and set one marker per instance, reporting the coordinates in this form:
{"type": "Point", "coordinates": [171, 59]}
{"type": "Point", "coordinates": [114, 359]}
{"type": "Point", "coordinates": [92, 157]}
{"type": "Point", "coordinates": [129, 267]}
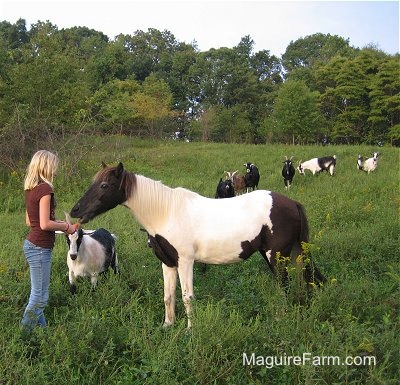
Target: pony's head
{"type": "Point", "coordinates": [107, 190]}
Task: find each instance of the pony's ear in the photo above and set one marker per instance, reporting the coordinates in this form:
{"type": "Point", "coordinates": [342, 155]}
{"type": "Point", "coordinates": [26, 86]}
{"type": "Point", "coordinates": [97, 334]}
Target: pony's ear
{"type": "Point", "coordinates": [119, 170]}
{"type": "Point", "coordinates": [103, 164]}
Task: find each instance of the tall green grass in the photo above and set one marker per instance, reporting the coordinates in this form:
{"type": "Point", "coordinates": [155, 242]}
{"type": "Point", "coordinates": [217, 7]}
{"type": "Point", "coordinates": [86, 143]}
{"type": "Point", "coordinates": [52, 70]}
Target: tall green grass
{"type": "Point", "coordinates": [114, 335]}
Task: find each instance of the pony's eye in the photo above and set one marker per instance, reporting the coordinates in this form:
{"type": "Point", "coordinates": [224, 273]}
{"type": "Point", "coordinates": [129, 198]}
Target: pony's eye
{"type": "Point", "coordinates": [104, 185]}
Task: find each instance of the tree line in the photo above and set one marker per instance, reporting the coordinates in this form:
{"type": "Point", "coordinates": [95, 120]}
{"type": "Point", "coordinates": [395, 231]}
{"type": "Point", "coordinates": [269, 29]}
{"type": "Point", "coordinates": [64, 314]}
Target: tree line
{"type": "Point", "coordinates": [56, 82]}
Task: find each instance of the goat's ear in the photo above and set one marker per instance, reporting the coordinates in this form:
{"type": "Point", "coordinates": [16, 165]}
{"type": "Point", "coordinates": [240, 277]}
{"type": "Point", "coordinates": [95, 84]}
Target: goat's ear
{"type": "Point", "coordinates": [119, 170]}
{"type": "Point", "coordinates": [68, 218]}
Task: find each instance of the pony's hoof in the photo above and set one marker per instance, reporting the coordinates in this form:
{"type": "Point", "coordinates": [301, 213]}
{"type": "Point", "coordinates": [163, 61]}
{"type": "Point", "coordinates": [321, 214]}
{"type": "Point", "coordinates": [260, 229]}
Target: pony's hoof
{"type": "Point", "coordinates": [167, 325]}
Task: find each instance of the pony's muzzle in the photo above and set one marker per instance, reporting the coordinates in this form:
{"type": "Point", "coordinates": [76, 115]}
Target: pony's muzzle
{"type": "Point", "coordinates": [75, 208]}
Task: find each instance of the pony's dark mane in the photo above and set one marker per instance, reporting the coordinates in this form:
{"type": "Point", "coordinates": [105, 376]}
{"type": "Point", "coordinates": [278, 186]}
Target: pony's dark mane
{"type": "Point", "coordinates": [128, 179]}
{"type": "Point", "coordinates": [128, 183]}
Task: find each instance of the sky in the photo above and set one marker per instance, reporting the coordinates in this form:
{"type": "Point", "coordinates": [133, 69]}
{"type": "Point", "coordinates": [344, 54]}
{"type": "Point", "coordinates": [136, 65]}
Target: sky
{"type": "Point", "coordinates": [272, 25]}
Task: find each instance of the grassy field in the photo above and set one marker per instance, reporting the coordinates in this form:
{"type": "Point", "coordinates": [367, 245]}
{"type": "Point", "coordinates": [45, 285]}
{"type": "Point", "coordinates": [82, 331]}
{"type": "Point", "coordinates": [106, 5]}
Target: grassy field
{"type": "Point", "coordinates": [115, 336]}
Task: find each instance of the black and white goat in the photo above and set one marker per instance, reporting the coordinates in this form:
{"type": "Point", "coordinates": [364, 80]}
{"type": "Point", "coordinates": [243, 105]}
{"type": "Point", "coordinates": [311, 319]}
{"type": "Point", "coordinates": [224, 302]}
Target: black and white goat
{"type": "Point", "coordinates": [370, 164]}
{"type": "Point", "coordinates": [252, 176]}
{"type": "Point", "coordinates": [90, 253]}
{"type": "Point", "coordinates": [316, 165]}
{"type": "Point", "coordinates": [288, 172]}
{"type": "Point", "coordinates": [225, 189]}
{"type": "Point", "coordinates": [360, 162]}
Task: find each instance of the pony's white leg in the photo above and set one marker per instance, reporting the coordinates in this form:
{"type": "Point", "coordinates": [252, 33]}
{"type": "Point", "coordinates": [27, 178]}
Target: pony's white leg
{"type": "Point", "coordinates": [185, 271]}
{"type": "Point", "coordinates": [169, 274]}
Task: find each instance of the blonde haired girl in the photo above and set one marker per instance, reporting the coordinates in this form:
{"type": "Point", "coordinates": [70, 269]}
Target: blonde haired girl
{"type": "Point", "coordinates": [39, 243]}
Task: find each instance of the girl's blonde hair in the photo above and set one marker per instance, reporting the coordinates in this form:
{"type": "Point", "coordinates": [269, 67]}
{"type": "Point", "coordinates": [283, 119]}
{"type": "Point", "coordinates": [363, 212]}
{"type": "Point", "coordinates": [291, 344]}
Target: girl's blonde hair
{"type": "Point", "coordinates": [42, 168]}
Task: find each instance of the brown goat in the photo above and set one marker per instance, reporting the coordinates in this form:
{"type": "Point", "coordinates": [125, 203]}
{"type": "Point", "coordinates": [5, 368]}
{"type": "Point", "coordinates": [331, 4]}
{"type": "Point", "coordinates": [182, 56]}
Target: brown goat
{"type": "Point", "coordinates": [238, 181]}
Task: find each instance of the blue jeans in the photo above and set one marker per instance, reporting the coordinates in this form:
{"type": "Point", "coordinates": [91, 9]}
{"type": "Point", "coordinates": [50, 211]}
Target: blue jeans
{"type": "Point", "coordinates": [39, 260]}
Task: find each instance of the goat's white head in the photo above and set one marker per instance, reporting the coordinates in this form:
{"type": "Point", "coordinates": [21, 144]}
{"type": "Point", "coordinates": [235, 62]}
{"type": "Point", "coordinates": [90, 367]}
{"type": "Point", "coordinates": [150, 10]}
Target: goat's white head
{"type": "Point", "coordinates": [73, 240]}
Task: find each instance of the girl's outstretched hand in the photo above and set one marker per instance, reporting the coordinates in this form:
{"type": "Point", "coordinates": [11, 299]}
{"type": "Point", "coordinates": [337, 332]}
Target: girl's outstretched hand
{"type": "Point", "coordinates": [72, 227]}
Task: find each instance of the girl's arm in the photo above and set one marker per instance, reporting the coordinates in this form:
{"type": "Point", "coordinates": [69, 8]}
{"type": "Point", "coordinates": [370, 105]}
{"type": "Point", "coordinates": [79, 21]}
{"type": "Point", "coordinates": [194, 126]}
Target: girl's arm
{"type": "Point", "coordinates": [46, 223]}
{"type": "Point", "coordinates": [27, 221]}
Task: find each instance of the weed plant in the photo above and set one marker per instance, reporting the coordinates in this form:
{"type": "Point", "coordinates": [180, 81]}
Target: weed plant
{"type": "Point", "coordinates": [114, 335]}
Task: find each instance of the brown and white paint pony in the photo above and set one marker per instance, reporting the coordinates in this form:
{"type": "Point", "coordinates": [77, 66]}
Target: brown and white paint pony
{"type": "Point", "coordinates": [185, 227]}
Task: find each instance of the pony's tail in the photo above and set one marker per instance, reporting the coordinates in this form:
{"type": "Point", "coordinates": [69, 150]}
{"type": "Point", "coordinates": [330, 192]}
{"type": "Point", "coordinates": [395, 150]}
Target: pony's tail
{"type": "Point", "coordinates": [311, 272]}
{"type": "Point", "coordinates": [304, 231]}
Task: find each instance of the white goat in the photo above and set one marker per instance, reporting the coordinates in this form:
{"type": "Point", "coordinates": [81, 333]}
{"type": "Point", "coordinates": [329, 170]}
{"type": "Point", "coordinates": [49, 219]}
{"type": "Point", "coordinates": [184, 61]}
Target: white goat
{"type": "Point", "coordinates": [370, 164]}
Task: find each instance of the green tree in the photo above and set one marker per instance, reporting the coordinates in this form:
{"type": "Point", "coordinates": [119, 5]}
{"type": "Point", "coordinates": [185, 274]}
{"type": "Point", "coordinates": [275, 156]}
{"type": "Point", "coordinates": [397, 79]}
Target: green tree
{"type": "Point", "coordinates": [149, 51]}
{"type": "Point", "coordinates": [152, 106]}
{"type": "Point", "coordinates": [226, 80]}
{"type": "Point", "coordinates": [45, 82]}
{"type": "Point", "coordinates": [302, 55]}
{"type": "Point", "coordinates": [225, 124]}
{"type": "Point", "coordinates": [296, 115]}
{"type": "Point", "coordinates": [384, 94]}
{"type": "Point", "coordinates": [14, 35]}
{"type": "Point", "coordinates": [352, 96]}
{"type": "Point", "coordinates": [107, 64]}
{"type": "Point", "coordinates": [307, 51]}
{"type": "Point", "coordinates": [133, 108]}
{"type": "Point", "coordinates": [111, 106]}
